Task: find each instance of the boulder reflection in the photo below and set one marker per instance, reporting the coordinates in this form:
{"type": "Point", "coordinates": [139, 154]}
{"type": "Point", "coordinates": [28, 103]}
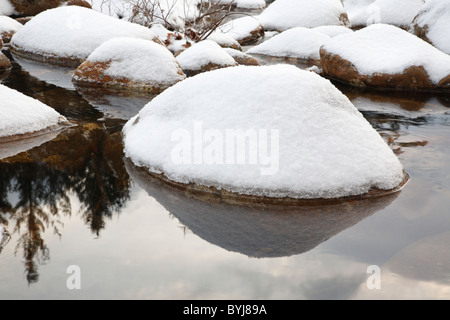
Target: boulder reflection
{"type": "Point", "coordinates": [36, 187]}
{"type": "Point", "coordinates": [258, 230]}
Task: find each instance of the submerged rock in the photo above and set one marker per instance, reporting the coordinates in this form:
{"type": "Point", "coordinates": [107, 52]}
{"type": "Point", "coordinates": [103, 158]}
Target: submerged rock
{"type": "Point", "coordinates": [334, 153]}
{"type": "Point", "coordinates": [282, 15]}
{"type": "Point", "coordinates": [384, 56]}
{"type": "Point", "coordinates": [66, 36]}
{"type": "Point", "coordinates": [204, 56]}
{"type": "Point", "coordinates": [127, 64]}
{"type": "Point", "coordinates": [432, 24]}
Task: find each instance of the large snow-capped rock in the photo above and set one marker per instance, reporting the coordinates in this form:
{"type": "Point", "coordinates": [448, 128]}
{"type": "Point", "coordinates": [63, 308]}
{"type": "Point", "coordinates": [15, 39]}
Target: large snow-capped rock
{"type": "Point", "coordinates": [245, 30]}
{"type": "Point", "coordinates": [305, 138]}
{"type": "Point", "coordinates": [385, 56]}
{"type": "Point", "coordinates": [21, 115]}
{"type": "Point", "coordinates": [286, 14]}
{"type": "Point", "coordinates": [204, 56]}
{"type": "Point", "coordinates": [432, 24]}
{"type": "Point", "coordinates": [366, 12]}
{"type": "Point", "coordinates": [68, 35]}
{"type": "Point", "coordinates": [299, 43]}
{"type": "Point", "coordinates": [129, 64]}
{"type": "Point", "coordinates": [8, 27]}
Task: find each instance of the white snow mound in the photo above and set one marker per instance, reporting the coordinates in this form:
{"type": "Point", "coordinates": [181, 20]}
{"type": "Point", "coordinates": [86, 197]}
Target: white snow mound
{"type": "Point", "coordinates": [20, 114]}
{"type": "Point", "coordinates": [302, 43]}
{"type": "Point", "coordinates": [8, 24]}
{"type": "Point", "coordinates": [382, 48]}
{"type": "Point", "coordinates": [435, 14]}
{"type": "Point", "coordinates": [286, 14]}
{"type": "Point", "coordinates": [305, 138]}
{"type": "Point", "coordinates": [204, 53]}
{"type": "Point", "coordinates": [138, 60]}
{"type": "Point", "coordinates": [73, 31]}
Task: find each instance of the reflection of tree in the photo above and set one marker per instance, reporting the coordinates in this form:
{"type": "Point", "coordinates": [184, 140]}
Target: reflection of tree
{"type": "Point", "coordinates": [35, 186]}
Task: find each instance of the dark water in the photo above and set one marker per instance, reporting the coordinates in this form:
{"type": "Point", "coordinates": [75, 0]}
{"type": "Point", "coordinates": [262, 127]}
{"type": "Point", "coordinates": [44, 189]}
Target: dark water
{"type": "Point", "coordinates": [74, 201]}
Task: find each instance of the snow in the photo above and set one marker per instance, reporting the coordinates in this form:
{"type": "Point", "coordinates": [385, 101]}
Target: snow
{"type": "Point", "coordinates": [73, 31]}
{"type": "Point", "coordinates": [138, 60]}
{"type": "Point", "coordinates": [435, 14]}
{"type": "Point", "coordinates": [244, 4]}
{"type": "Point", "coordinates": [20, 114]}
{"type": "Point", "coordinates": [6, 8]}
{"type": "Point", "coordinates": [241, 28]}
{"type": "Point", "coordinates": [382, 48]}
{"type": "Point", "coordinates": [174, 41]}
{"type": "Point", "coordinates": [224, 40]}
{"type": "Point", "coordinates": [398, 12]}
{"type": "Point", "coordinates": [302, 43]}
{"type": "Point", "coordinates": [333, 31]}
{"type": "Point", "coordinates": [204, 53]}
{"type": "Point", "coordinates": [325, 147]}
{"type": "Point", "coordinates": [286, 14]}
{"type": "Point", "coordinates": [8, 24]}
{"type": "Point", "coordinates": [176, 12]}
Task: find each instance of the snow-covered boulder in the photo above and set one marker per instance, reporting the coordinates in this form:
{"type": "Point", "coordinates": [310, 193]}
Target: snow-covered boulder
{"type": "Point", "coordinates": [8, 27]}
{"type": "Point", "coordinates": [34, 7]}
{"type": "Point", "coordinates": [21, 115]}
{"type": "Point", "coordinates": [204, 56]}
{"type": "Point", "coordinates": [242, 58]}
{"type": "Point", "coordinates": [68, 35]}
{"type": "Point", "coordinates": [432, 24]}
{"type": "Point", "coordinates": [286, 14]}
{"type": "Point", "coordinates": [245, 30]}
{"type": "Point", "coordinates": [385, 56]}
{"type": "Point", "coordinates": [129, 64]}
{"type": "Point", "coordinates": [265, 131]}
{"type": "Point", "coordinates": [366, 12]}
{"type": "Point", "coordinates": [225, 40]}
{"type": "Point", "coordinates": [297, 43]}
{"type": "Point", "coordinates": [6, 8]}
{"type": "Point", "coordinates": [333, 31]}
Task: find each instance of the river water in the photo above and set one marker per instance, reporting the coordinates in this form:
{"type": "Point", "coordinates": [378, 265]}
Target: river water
{"type": "Point", "coordinates": [73, 203]}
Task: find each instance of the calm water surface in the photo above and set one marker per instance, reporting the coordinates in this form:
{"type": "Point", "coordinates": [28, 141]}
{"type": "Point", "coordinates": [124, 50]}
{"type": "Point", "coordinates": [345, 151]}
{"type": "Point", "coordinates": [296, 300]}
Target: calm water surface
{"type": "Point", "coordinates": [73, 200]}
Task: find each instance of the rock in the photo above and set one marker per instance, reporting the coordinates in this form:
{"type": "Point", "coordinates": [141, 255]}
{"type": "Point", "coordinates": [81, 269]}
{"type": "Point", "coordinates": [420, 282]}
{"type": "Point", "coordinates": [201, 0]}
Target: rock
{"type": "Point", "coordinates": [195, 144]}
{"type": "Point", "coordinates": [34, 7]}
{"type": "Point", "coordinates": [204, 56]}
{"type": "Point", "coordinates": [67, 35]}
{"type": "Point", "coordinates": [8, 27]}
{"type": "Point", "coordinates": [247, 30]}
{"type": "Point", "coordinates": [225, 40]}
{"type": "Point", "coordinates": [5, 64]}
{"type": "Point", "coordinates": [242, 58]}
{"type": "Point", "coordinates": [282, 15]}
{"type": "Point", "coordinates": [384, 56]}
{"type": "Point", "coordinates": [80, 3]}
{"type": "Point", "coordinates": [130, 65]}
{"type": "Point", "coordinates": [24, 117]}
{"type": "Point", "coordinates": [299, 43]}
{"type": "Point", "coordinates": [432, 24]}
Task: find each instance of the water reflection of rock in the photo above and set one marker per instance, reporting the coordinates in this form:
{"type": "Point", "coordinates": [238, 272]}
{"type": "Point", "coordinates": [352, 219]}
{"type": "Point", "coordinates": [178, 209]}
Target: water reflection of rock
{"type": "Point", "coordinates": [114, 105]}
{"type": "Point", "coordinates": [35, 187]}
{"type": "Point", "coordinates": [258, 230]}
